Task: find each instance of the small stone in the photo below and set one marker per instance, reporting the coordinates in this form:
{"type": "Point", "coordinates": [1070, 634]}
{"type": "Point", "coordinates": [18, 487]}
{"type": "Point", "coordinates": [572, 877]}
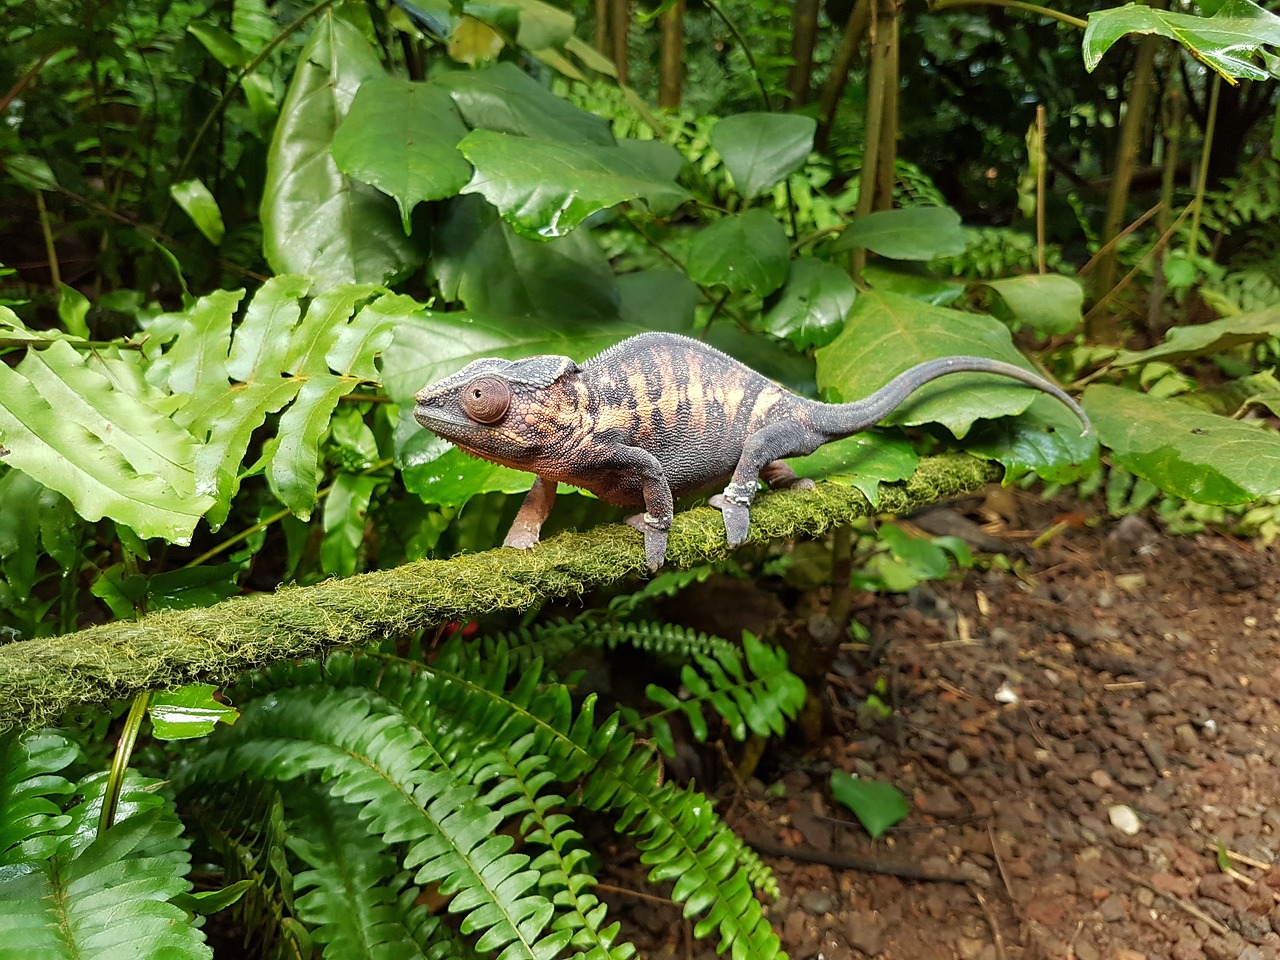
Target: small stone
{"type": "Point", "coordinates": [957, 763]}
{"type": "Point", "coordinates": [864, 932]}
{"type": "Point", "coordinates": [1102, 779]}
{"type": "Point", "coordinates": [1186, 736]}
{"type": "Point", "coordinates": [817, 902]}
{"type": "Point", "coordinates": [1006, 694]}
{"type": "Point", "coordinates": [1113, 909]}
{"type": "Point", "coordinates": [1124, 819]}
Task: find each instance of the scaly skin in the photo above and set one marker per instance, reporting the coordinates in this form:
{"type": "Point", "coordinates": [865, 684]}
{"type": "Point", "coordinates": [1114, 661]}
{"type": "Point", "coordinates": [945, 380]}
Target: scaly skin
{"type": "Point", "coordinates": [654, 418]}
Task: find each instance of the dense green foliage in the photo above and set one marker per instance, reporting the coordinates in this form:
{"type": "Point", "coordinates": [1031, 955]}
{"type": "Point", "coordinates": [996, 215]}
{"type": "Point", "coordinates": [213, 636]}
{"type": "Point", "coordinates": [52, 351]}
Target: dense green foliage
{"type": "Point", "coordinates": [246, 234]}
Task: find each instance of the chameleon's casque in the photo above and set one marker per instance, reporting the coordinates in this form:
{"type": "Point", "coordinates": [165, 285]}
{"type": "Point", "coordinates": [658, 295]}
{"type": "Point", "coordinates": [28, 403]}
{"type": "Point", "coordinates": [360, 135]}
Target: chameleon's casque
{"type": "Point", "coordinates": [656, 417]}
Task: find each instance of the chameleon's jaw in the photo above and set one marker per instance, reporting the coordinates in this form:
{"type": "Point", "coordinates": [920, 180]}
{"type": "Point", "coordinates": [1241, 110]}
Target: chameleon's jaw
{"type": "Point", "coordinates": [441, 421]}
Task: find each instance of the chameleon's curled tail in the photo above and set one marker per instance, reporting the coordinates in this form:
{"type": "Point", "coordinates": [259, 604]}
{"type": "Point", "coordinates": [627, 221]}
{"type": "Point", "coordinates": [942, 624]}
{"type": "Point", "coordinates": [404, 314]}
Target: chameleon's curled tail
{"type": "Point", "coordinates": [846, 419]}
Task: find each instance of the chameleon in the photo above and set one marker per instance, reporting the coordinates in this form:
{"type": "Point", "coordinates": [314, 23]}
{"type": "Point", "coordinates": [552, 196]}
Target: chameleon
{"type": "Point", "coordinates": [656, 417]}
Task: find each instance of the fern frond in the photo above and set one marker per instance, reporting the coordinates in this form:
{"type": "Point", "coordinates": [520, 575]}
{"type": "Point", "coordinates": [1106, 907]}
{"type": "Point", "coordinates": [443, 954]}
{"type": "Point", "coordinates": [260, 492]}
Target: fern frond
{"type": "Point", "coordinates": [358, 902]}
{"type": "Point", "coordinates": [242, 824]}
{"type": "Point", "coordinates": [662, 638]}
{"type": "Point", "coordinates": [405, 793]}
{"type": "Point", "coordinates": [29, 819]}
{"type": "Point", "coordinates": [761, 703]}
{"type": "Point", "coordinates": [681, 839]}
{"type": "Point", "coordinates": [108, 900]}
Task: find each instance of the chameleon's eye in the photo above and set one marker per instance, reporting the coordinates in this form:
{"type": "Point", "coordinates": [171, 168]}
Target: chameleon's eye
{"type": "Point", "coordinates": [486, 399]}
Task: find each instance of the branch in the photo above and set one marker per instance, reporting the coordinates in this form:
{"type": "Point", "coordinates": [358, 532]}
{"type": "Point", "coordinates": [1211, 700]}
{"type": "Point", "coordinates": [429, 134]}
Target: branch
{"type": "Point", "coordinates": [41, 679]}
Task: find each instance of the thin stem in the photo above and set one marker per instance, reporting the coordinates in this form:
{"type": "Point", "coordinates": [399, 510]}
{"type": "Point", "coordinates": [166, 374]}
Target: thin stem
{"type": "Point", "coordinates": [746, 50]}
{"type": "Point", "coordinates": [50, 251]}
{"type": "Point", "coordinates": [247, 69]}
{"type": "Point", "coordinates": [120, 762]}
{"type": "Point", "coordinates": [1202, 181]}
{"type": "Point", "coordinates": [276, 517]}
{"type": "Point", "coordinates": [1013, 5]}
{"type": "Point", "coordinates": [1040, 188]}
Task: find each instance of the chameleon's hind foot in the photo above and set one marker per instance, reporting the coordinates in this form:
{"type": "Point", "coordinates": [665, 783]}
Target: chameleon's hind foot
{"type": "Point", "coordinates": [655, 539]}
{"type": "Point", "coordinates": [737, 518]}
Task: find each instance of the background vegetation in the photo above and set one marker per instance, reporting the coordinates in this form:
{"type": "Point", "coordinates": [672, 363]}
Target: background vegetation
{"type": "Point", "coordinates": [238, 236]}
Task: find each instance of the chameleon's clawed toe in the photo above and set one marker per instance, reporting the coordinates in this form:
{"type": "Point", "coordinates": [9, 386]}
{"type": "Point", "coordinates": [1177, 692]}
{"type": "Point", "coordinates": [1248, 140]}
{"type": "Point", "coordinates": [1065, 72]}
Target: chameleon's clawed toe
{"type": "Point", "coordinates": [655, 539]}
{"type": "Point", "coordinates": [737, 519]}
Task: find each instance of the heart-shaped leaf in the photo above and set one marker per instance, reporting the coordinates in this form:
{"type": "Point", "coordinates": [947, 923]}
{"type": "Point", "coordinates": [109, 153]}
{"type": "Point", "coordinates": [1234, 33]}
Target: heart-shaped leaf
{"type": "Point", "coordinates": [759, 149]}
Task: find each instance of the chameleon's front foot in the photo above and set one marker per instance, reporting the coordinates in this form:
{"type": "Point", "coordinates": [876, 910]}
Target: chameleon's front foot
{"type": "Point", "coordinates": [655, 538]}
{"type": "Point", "coordinates": [521, 539]}
{"type": "Point", "coordinates": [735, 505]}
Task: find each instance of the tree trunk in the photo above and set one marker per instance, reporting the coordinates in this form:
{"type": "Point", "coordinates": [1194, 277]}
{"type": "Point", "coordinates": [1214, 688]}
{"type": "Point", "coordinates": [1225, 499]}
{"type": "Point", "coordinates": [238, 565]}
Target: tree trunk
{"type": "Point", "coordinates": [620, 33]}
{"type": "Point", "coordinates": [854, 30]}
{"type": "Point", "coordinates": [671, 79]}
{"type": "Point", "coordinates": [804, 36]}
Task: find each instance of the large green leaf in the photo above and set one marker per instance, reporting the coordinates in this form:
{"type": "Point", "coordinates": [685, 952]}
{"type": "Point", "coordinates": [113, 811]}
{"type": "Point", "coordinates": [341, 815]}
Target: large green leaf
{"type": "Point", "coordinates": [1230, 42]}
{"type": "Point", "coordinates": [1184, 451]}
{"type": "Point", "coordinates": [505, 99]}
{"type": "Point", "coordinates": [916, 233]}
{"type": "Point", "coordinates": [1046, 440]}
{"type": "Point", "coordinates": [746, 251]}
{"type": "Point", "coordinates": [482, 263]}
{"type": "Point", "coordinates": [759, 149]}
{"type": "Point", "coordinates": [863, 461]}
{"type": "Point", "coordinates": [97, 439]}
{"type": "Point", "coordinates": [545, 188]}
{"type": "Point", "coordinates": [402, 138]}
{"type": "Point", "coordinates": [810, 310]}
{"type": "Point", "coordinates": [1204, 338]}
{"type": "Point", "coordinates": [886, 333]}
{"type": "Point", "coordinates": [315, 220]}
{"type": "Point", "coordinates": [1048, 303]}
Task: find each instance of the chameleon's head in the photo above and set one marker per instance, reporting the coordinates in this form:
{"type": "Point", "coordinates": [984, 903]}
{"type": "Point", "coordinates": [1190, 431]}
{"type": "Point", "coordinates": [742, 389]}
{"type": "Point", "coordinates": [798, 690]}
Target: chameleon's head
{"type": "Point", "coordinates": [501, 410]}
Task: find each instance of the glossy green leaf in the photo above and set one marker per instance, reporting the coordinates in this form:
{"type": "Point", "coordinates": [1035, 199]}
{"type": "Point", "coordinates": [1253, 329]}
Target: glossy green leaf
{"type": "Point", "coordinates": [105, 448]}
{"type": "Point", "coordinates": [199, 204]}
{"type": "Point", "coordinates": [915, 233]}
{"type": "Point", "coordinates": [344, 523]}
{"type": "Point", "coordinates": [878, 806]}
{"type": "Point", "coordinates": [505, 99]}
{"type": "Point", "coordinates": [482, 263]}
{"type": "Point", "coordinates": [188, 713]}
{"type": "Point", "coordinates": [1208, 338]}
{"type": "Point", "coordinates": [128, 594]}
{"type": "Point", "coordinates": [73, 309]}
{"type": "Point", "coordinates": [760, 149]}
{"type": "Point", "coordinates": [886, 333]}
{"type": "Point", "coordinates": [1046, 440]}
{"type": "Point", "coordinates": [30, 793]}
{"type": "Point", "coordinates": [453, 477]}
{"type": "Point", "coordinates": [862, 461]}
{"type": "Point", "coordinates": [30, 172]}
{"type": "Point", "coordinates": [746, 251]}
{"type": "Point", "coordinates": [546, 188]}
{"type": "Point", "coordinates": [222, 46]}
{"type": "Point", "coordinates": [1184, 451]}
{"type": "Point", "coordinates": [1230, 42]}
{"type": "Point", "coordinates": [402, 138]}
{"type": "Point", "coordinates": [316, 220]}
{"type": "Point", "coordinates": [810, 309]}
{"type": "Point", "coordinates": [913, 280]}
{"type": "Point", "coordinates": [1047, 303]}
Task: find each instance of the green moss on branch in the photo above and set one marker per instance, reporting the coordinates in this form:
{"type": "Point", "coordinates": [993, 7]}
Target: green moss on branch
{"type": "Point", "coordinates": [41, 679]}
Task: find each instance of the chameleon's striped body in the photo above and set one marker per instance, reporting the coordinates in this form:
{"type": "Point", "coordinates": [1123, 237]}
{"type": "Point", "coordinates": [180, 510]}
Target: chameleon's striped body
{"type": "Point", "coordinates": [656, 417]}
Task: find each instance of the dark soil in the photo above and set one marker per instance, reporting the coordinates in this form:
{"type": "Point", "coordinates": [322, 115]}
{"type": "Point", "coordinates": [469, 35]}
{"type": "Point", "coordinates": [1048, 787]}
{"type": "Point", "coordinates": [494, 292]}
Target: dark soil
{"type": "Point", "coordinates": [1077, 741]}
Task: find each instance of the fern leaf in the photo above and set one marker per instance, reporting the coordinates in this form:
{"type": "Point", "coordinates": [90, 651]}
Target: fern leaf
{"type": "Point", "coordinates": [109, 900]}
{"type": "Point", "coordinates": [358, 903]}
{"type": "Point", "coordinates": [406, 794]}
{"type": "Point", "coordinates": [29, 820]}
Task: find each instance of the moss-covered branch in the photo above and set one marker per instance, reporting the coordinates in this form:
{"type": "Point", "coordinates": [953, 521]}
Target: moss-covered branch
{"type": "Point", "coordinates": [40, 679]}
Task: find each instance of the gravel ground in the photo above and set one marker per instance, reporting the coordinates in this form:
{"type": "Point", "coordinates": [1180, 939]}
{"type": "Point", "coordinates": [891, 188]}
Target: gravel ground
{"type": "Point", "coordinates": [1078, 742]}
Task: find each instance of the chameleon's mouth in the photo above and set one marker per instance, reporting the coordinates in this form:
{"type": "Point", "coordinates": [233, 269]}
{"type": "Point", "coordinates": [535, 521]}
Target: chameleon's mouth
{"type": "Point", "coordinates": [442, 422]}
